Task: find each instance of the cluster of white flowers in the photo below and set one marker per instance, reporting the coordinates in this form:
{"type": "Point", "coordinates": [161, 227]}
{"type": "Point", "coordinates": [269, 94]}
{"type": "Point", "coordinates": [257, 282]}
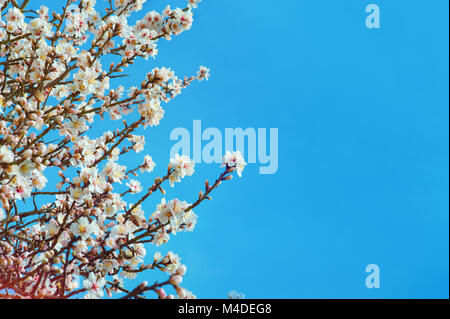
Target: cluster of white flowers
{"type": "Point", "coordinates": [175, 215]}
{"type": "Point", "coordinates": [16, 21]}
{"type": "Point", "coordinates": [171, 264]}
{"type": "Point", "coordinates": [183, 166]}
{"type": "Point", "coordinates": [53, 81]}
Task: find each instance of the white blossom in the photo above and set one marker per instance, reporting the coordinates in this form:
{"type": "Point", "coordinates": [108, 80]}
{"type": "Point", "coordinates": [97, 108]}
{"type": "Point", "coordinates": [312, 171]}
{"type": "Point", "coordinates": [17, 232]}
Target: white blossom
{"type": "Point", "coordinates": [94, 285]}
{"type": "Point", "coordinates": [234, 159]}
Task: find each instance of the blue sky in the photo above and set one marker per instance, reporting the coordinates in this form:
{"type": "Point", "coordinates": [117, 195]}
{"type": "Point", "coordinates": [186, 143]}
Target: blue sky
{"type": "Point", "coordinates": [362, 116]}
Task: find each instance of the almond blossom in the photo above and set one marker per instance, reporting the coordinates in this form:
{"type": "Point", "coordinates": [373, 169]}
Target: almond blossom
{"type": "Point", "coordinates": [94, 285]}
{"type": "Point", "coordinates": [70, 209]}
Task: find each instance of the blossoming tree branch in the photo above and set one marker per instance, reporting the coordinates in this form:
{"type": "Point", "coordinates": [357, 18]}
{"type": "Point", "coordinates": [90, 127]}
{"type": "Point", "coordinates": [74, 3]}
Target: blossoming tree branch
{"type": "Point", "coordinates": [81, 235]}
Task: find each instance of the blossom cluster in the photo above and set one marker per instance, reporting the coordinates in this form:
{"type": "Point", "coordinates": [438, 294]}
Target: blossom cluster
{"type": "Point", "coordinates": [88, 231]}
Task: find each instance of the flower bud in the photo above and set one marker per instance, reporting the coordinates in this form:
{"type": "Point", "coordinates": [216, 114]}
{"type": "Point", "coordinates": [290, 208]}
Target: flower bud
{"type": "Point", "coordinates": [161, 293]}
{"type": "Point", "coordinates": [176, 280]}
{"type": "Point", "coordinates": [143, 285]}
{"type": "Point", "coordinates": [181, 270]}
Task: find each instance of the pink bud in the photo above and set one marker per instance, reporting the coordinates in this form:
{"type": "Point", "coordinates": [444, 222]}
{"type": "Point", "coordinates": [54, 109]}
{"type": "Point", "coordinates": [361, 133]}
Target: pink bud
{"type": "Point", "coordinates": [161, 293]}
